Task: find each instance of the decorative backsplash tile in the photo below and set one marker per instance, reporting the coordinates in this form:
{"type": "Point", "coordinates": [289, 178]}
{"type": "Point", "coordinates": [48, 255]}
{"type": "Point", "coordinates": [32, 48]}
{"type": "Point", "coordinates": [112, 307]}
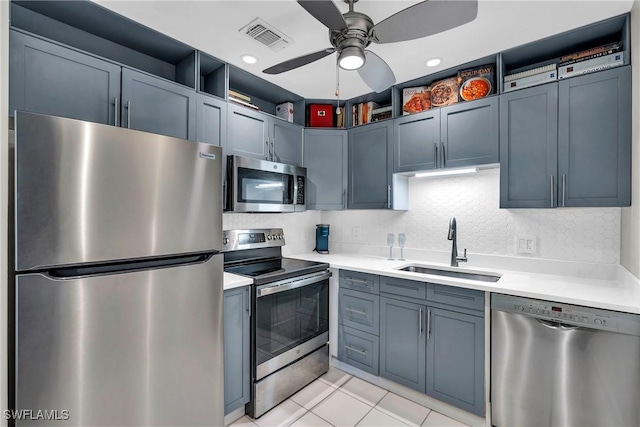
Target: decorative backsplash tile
{"type": "Point", "coordinates": [570, 234]}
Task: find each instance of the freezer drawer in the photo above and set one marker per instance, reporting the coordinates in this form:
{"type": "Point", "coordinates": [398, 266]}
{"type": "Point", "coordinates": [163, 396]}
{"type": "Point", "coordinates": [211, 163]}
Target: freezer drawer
{"type": "Point", "coordinates": [91, 193]}
{"type": "Point", "coordinates": [137, 348]}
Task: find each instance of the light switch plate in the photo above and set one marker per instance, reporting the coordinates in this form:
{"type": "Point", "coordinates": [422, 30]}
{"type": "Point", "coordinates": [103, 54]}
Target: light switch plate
{"type": "Point", "coordinates": [526, 245]}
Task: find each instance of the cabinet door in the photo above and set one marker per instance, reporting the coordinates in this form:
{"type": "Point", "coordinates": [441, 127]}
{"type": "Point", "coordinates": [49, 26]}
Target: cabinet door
{"type": "Point", "coordinates": [470, 133]}
{"type": "Point", "coordinates": [416, 141]}
{"type": "Point", "coordinates": [236, 348]}
{"type": "Point", "coordinates": [211, 125]}
{"type": "Point", "coordinates": [455, 359]}
{"type": "Point", "coordinates": [51, 79]}
{"type": "Point", "coordinates": [403, 343]}
{"type": "Point", "coordinates": [528, 147]}
{"type": "Point", "coordinates": [594, 139]}
{"type": "Point", "coordinates": [370, 166]}
{"type": "Point", "coordinates": [325, 157]}
{"type": "Point", "coordinates": [159, 106]}
{"type": "Point", "coordinates": [286, 142]}
{"type": "Point", "coordinates": [247, 133]}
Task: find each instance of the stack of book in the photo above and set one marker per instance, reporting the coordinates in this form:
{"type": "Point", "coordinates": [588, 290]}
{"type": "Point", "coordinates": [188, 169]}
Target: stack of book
{"type": "Point", "coordinates": [381, 113]}
{"type": "Point", "coordinates": [362, 113]}
{"type": "Point", "coordinates": [590, 60]}
{"type": "Point", "coordinates": [533, 77]}
{"type": "Point", "coordinates": [241, 99]}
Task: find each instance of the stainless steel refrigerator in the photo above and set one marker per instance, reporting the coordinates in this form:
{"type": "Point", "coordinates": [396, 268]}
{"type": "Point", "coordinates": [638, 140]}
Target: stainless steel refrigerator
{"type": "Point", "coordinates": [118, 280]}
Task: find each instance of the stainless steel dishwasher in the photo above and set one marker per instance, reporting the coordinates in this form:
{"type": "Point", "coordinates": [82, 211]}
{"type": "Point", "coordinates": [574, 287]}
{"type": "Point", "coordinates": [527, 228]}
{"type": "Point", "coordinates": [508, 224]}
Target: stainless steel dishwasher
{"type": "Point", "coordinates": [555, 364]}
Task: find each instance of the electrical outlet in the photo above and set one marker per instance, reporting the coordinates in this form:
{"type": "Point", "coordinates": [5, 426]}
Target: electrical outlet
{"type": "Point", "coordinates": [355, 233]}
{"type": "Point", "coordinates": [526, 244]}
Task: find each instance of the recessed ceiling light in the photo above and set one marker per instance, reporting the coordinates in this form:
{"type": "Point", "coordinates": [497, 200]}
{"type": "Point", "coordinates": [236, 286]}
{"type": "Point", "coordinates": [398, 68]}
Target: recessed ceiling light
{"type": "Point", "coordinates": [433, 62]}
{"type": "Point", "coordinates": [249, 59]}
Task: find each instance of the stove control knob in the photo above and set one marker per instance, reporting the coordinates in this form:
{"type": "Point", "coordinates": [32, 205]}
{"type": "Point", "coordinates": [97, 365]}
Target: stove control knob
{"type": "Point", "coordinates": [281, 237]}
{"type": "Point", "coordinates": [520, 308]}
{"type": "Point", "coordinates": [225, 241]}
{"type": "Point", "coordinates": [268, 236]}
{"type": "Point", "coordinates": [598, 321]}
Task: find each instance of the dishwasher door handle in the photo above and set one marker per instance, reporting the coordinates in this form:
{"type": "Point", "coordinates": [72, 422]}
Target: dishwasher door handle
{"type": "Point", "coordinates": [558, 326]}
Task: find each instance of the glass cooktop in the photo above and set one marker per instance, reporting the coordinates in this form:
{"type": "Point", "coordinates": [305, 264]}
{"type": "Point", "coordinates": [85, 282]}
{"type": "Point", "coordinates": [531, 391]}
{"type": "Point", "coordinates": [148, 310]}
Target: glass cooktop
{"type": "Point", "coordinates": [272, 270]}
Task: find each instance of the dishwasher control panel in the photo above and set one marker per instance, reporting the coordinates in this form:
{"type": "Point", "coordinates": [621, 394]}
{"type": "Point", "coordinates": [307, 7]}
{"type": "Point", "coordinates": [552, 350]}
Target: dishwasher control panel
{"type": "Point", "coordinates": [568, 314]}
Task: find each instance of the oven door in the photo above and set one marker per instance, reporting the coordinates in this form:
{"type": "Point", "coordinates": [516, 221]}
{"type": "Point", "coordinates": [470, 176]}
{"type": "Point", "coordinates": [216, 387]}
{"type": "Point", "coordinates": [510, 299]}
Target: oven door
{"type": "Point", "coordinates": [262, 186]}
{"type": "Point", "coordinates": [291, 320]}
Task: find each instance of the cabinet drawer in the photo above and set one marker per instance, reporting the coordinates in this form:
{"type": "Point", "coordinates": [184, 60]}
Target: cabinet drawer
{"type": "Point", "coordinates": [360, 311]}
{"type": "Point", "coordinates": [360, 281]}
{"type": "Point", "coordinates": [468, 298]}
{"type": "Point", "coordinates": [407, 288]}
{"type": "Point", "coordinates": [358, 349]}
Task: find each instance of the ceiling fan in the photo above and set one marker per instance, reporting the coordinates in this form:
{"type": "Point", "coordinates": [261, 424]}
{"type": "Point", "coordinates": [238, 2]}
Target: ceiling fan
{"type": "Point", "coordinates": [351, 33]}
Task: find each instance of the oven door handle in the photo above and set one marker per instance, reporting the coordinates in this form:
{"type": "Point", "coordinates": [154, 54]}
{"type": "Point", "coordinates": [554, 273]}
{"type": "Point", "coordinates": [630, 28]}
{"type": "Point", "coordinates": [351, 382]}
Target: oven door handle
{"type": "Point", "coordinates": [287, 285]}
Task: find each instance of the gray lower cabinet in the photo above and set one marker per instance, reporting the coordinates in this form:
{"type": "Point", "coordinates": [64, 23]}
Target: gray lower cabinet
{"type": "Point", "coordinates": [359, 310]}
{"type": "Point", "coordinates": [416, 141]}
{"type": "Point", "coordinates": [567, 143]}
{"type": "Point", "coordinates": [325, 157]}
{"type": "Point", "coordinates": [51, 79]}
{"type": "Point", "coordinates": [211, 124]}
{"type": "Point", "coordinates": [359, 349]}
{"type": "Point", "coordinates": [455, 359]}
{"type": "Point", "coordinates": [594, 139]}
{"type": "Point", "coordinates": [261, 136]}
{"type": "Point", "coordinates": [469, 132]}
{"type": "Point", "coordinates": [236, 348]}
{"type": "Point", "coordinates": [403, 343]}
{"type": "Point", "coordinates": [370, 166]}
{"type": "Point", "coordinates": [156, 105]}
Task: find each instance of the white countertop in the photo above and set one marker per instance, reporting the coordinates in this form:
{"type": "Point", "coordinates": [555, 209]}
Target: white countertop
{"type": "Point", "coordinates": [620, 294]}
{"type": "Point", "coordinates": [232, 281]}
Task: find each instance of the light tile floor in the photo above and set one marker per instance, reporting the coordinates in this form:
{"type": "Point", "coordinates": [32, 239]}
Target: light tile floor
{"type": "Point", "coordinates": [338, 399]}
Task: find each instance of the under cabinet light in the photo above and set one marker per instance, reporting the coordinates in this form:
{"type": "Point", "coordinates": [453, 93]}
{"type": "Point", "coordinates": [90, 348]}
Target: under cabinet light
{"type": "Point", "coordinates": [447, 172]}
{"type": "Point", "coordinates": [270, 185]}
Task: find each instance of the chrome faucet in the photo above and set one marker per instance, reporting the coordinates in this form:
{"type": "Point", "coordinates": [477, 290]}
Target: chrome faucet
{"type": "Point", "coordinates": [454, 249]}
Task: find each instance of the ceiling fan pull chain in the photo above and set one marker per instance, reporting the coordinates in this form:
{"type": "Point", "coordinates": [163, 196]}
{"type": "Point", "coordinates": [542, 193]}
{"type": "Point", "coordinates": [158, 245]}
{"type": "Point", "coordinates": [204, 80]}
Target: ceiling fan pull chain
{"type": "Point", "coordinates": [337, 88]}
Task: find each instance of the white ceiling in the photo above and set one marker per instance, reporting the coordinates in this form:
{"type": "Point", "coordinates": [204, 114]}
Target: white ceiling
{"type": "Point", "coordinates": [212, 26]}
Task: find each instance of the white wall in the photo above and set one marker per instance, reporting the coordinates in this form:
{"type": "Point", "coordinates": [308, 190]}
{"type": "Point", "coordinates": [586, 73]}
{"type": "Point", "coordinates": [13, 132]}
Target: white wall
{"type": "Point", "coordinates": [569, 234]}
{"type": "Point", "coordinates": [299, 228]}
{"type": "Point", "coordinates": [4, 126]}
{"type": "Point", "coordinates": [630, 244]}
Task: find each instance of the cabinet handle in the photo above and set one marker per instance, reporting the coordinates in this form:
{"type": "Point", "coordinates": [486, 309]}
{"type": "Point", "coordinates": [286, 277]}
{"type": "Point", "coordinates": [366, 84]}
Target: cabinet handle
{"type": "Point", "coordinates": [420, 322]}
{"type": "Point", "coordinates": [564, 186]}
{"type": "Point", "coordinates": [435, 155]}
{"type": "Point", "coordinates": [353, 310]}
{"type": "Point", "coordinates": [129, 114]}
{"type": "Point", "coordinates": [357, 350]}
{"type": "Point", "coordinates": [388, 197]}
{"type": "Point", "coordinates": [344, 198]}
{"type": "Point", "coordinates": [444, 157]}
{"type": "Point", "coordinates": [268, 156]}
{"type": "Point", "coordinates": [273, 150]}
{"type": "Point", "coordinates": [552, 190]}
{"type": "Point", "coordinates": [357, 281]}
{"type": "Point", "coordinates": [428, 323]}
{"type": "Point", "coordinates": [116, 111]}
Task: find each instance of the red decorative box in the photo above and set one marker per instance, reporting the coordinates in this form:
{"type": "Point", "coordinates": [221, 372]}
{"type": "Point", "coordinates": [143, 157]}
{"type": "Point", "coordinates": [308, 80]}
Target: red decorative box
{"type": "Point", "coordinates": [321, 115]}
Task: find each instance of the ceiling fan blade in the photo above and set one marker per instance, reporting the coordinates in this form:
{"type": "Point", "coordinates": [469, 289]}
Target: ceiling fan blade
{"type": "Point", "coordinates": [326, 12]}
{"type": "Point", "coordinates": [299, 61]}
{"type": "Point", "coordinates": [376, 73]}
{"type": "Point", "coordinates": [424, 19]}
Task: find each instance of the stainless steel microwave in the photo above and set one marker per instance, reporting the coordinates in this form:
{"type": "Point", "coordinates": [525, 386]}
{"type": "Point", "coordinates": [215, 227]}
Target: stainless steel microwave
{"type": "Point", "coordinates": [254, 185]}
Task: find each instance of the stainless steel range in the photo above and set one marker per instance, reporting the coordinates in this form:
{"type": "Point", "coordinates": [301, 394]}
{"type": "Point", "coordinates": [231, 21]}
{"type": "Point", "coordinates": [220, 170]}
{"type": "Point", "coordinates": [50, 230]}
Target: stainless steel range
{"type": "Point", "coordinates": [290, 315]}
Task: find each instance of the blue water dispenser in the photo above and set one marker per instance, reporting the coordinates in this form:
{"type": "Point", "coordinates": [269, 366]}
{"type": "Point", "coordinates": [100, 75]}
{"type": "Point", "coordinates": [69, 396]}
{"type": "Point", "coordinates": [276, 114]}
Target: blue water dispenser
{"type": "Point", "coordinates": [322, 238]}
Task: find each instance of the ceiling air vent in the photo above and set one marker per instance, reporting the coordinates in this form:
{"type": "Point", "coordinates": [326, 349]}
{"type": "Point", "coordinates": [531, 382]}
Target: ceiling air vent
{"type": "Point", "coordinates": [274, 39]}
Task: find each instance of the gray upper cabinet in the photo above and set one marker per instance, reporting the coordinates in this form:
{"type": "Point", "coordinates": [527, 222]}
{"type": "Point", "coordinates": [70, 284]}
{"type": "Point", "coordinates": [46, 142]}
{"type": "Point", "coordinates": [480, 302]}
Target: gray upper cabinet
{"type": "Point", "coordinates": [51, 79]}
{"type": "Point", "coordinates": [594, 139]}
{"type": "Point", "coordinates": [261, 136]}
{"type": "Point", "coordinates": [455, 359]}
{"type": "Point", "coordinates": [325, 157]}
{"type": "Point", "coordinates": [236, 348]}
{"type": "Point", "coordinates": [470, 133]}
{"type": "Point", "coordinates": [156, 105]}
{"type": "Point", "coordinates": [370, 166]}
{"type": "Point", "coordinates": [528, 147]}
{"type": "Point", "coordinates": [211, 125]}
{"type": "Point", "coordinates": [286, 140]}
{"type": "Point", "coordinates": [567, 143]}
{"type": "Point", "coordinates": [403, 343]}
{"type": "Point", "coordinates": [417, 141]}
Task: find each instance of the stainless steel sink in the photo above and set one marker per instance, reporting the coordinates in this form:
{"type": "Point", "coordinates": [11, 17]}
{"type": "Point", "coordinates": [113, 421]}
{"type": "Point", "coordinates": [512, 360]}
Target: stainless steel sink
{"type": "Point", "coordinates": [449, 273]}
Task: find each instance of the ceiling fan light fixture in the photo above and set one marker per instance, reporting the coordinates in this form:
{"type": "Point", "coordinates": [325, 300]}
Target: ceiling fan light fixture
{"type": "Point", "coordinates": [433, 62]}
{"type": "Point", "coordinates": [249, 59]}
{"type": "Point", "coordinates": [351, 58]}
